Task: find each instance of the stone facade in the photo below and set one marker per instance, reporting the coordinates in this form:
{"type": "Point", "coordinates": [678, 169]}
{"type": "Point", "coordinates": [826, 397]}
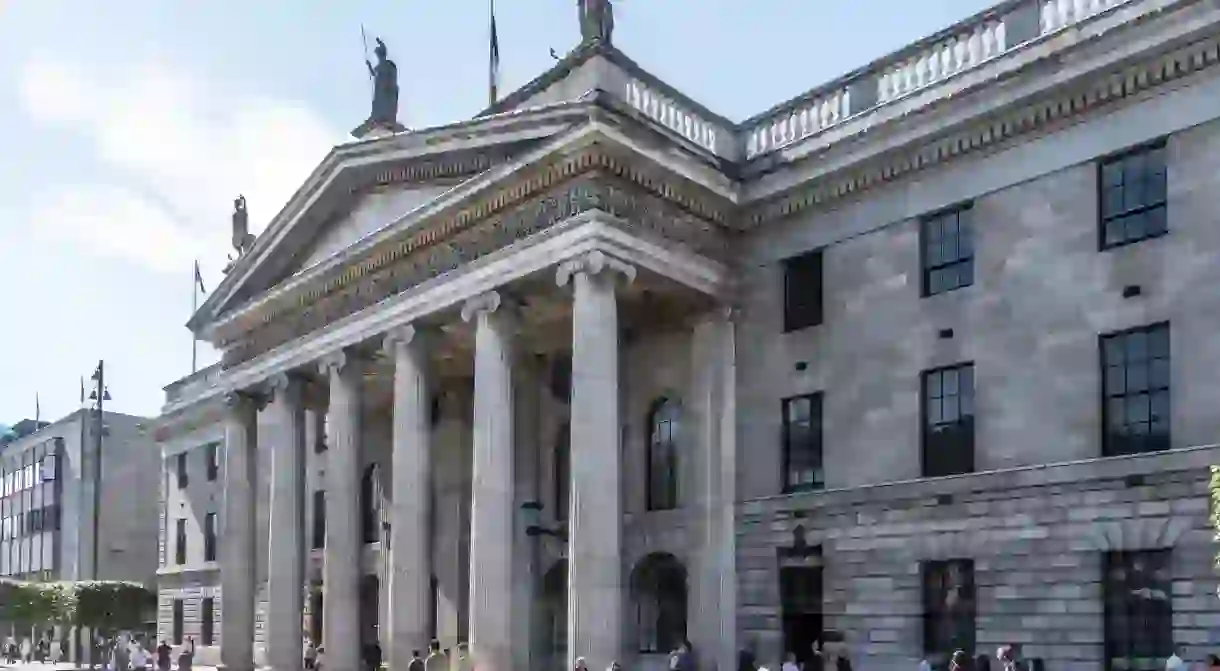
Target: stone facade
{"type": "Point", "coordinates": [622, 251]}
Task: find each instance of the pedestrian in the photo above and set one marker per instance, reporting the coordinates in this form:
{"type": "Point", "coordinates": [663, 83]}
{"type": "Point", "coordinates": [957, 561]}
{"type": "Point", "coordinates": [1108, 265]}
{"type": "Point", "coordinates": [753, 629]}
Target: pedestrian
{"type": "Point", "coordinates": [139, 658]}
{"type": "Point", "coordinates": [960, 661]}
{"type": "Point", "coordinates": [164, 656]}
{"type": "Point", "coordinates": [790, 662]}
{"type": "Point", "coordinates": [436, 660]}
{"type": "Point", "coordinates": [372, 656]}
{"type": "Point", "coordinates": [311, 655]}
{"type": "Point", "coordinates": [416, 663]}
{"type": "Point", "coordinates": [580, 665]}
{"type": "Point", "coordinates": [186, 658]}
{"type": "Point", "coordinates": [1213, 662]}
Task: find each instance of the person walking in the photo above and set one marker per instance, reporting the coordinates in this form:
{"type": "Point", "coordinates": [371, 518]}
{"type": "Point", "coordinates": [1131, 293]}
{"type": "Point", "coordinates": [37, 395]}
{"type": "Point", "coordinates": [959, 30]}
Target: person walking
{"type": "Point", "coordinates": [436, 659]}
{"type": "Point", "coordinates": [416, 663]}
{"type": "Point", "coordinates": [138, 657]}
{"type": "Point", "coordinates": [164, 656]}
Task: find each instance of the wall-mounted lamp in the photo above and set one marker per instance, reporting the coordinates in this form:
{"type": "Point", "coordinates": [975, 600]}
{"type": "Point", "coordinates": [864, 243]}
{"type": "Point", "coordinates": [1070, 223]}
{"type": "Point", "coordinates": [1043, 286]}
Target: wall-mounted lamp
{"type": "Point", "coordinates": [531, 511]}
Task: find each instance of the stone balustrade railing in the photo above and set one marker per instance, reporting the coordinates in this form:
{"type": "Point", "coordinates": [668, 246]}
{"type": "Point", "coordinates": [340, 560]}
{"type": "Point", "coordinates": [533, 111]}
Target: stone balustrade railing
{"type": "Point", "coordinates": [193, 384]}
{"type": "Point", "coordinates": [959, 49]}
{"type": "Point", "coordinates": [674, 116]}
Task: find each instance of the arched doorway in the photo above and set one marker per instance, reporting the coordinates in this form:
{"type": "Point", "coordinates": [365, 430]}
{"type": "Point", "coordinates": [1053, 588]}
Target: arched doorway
{"type": "Point", "coordinates": [553, 600]}
{"type": "Point", "coordinates": [370, 610]}
{"type": "Point", "coordinates": [658, 603]}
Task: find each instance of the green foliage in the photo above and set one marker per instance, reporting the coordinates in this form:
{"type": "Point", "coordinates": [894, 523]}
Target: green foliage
{"type": "Point", "coordinates": [104, 604]}
{"type": "Point", "coordinates": [36, 602]}
{"type": "Point", "coordinates": [112, 604]}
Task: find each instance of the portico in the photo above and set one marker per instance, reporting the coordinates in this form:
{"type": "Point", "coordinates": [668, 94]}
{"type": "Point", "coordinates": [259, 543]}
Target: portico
{"type": "Point", "coordinates": [574, 293]}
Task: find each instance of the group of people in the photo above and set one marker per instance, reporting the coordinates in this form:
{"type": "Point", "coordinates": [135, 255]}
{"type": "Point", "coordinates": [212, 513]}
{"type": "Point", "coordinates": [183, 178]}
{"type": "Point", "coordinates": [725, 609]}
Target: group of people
{"type": "Point", "coordinates": [132, 655]}
{"type": "Point", "coordinates": [28, 651]}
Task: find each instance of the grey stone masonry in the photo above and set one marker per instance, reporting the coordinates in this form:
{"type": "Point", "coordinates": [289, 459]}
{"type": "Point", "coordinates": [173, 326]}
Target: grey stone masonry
{"type": "Point", "coordinates": [1037, 537]}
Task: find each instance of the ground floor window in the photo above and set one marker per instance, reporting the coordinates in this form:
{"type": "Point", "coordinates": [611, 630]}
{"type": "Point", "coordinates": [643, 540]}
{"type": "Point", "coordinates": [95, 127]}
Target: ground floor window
{"type": "Point", "coordinates": [1137, 588]}
{"type": "Point", "coordinates": [178, 614]}
{"type": "Point", "coordinates": [207, 621]}
{"type": "Point", "coordinates": [948, 608]}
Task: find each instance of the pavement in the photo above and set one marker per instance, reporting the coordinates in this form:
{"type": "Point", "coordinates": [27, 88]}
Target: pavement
{"type": "Point", "coordinates": [39, 666]}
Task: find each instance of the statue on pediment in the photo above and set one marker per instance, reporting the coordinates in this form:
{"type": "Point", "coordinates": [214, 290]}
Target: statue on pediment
{"type": "Point", "coordinates": [596, 20]}
{"type": "Point", "coordinates": [385, 86]}
{"type": "Point", "coordinates": [243, 239]}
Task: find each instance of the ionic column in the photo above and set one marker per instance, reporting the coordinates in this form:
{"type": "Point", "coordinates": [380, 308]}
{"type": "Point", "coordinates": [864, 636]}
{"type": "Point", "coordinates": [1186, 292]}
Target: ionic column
{"type": "Point", "coordinates": [286, 549]}
{"type": "Point", "coordinates": [342, 564]}
{"type": "Point", "coordinates": [491, 509]}
{"type": "Point", "coordinates": [714, 414]}
{"type": "Point", "coordinates": [237, 549]}
{"type": "Point", "coordinates": [410, 561]}
{"type": "Point", "coordinates": [595, 594]}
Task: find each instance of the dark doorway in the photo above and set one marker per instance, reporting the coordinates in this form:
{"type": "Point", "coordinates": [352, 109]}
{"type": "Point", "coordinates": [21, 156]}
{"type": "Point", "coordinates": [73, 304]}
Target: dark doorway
{"type": "Point", "coordinates": [800, 589]}
{"type": "Point", "coordinates": [370, 610]}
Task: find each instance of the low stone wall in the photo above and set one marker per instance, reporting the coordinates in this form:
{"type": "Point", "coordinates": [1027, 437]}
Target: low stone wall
{"type": "Point", "coordinates": [1037, 546]}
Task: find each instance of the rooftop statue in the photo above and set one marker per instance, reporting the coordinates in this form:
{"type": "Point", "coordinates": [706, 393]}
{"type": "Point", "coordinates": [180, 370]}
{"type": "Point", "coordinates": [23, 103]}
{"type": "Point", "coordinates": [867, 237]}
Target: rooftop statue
{"type": "Point", "coordinates": [385, 88]}
{"type": "Point", "coordinates": [243, 240]}
{"type": "Point", "coordinates": [596, 20]}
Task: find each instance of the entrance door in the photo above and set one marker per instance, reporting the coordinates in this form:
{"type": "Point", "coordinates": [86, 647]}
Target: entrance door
{"type": "Point", "coordinates": [801, 605]}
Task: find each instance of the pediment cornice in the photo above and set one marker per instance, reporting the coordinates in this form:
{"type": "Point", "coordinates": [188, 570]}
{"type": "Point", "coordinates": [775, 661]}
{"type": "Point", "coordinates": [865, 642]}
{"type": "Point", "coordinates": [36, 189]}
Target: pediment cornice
{"type": "Point", "coordinates": [477, 220]}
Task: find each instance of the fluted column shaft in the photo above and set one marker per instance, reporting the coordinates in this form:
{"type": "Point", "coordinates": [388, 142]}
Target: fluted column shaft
{"type": "Point", "coordinates": [342, 567]}
{"type": "Point", "coordinates": [237, 550]}
{"type": "Point", "coordinates": [286, 551]}
{"type": "Point", "coordinates": [595, 594]}
{"type": "Point", "coordinates": [410, 562]}
{"type": "Point", "coordinates": [491, 510]}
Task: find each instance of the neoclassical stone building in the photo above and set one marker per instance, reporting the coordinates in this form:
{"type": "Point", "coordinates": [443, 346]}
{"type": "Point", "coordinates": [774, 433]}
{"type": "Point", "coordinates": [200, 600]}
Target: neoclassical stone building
{"type": "Point", "coordinates": [922, 359]}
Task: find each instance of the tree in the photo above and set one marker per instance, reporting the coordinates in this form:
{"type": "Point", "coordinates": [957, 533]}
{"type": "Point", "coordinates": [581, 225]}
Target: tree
{"type": "Point", "coordinates": [112, 604]}
{"type": "Point", "coordinates": [36, 603]}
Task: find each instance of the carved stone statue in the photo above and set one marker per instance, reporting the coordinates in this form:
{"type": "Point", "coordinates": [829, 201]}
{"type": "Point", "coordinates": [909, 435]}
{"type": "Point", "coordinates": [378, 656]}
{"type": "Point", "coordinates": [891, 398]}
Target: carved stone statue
{"type": "Point", "coordinates": [596, 20]}
{"type": "Point", "coordinates": [243, 240]}
{"type": "Point", "coordinates": [385, 88]}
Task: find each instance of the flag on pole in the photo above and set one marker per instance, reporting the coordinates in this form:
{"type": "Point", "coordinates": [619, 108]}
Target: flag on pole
{"type": "Point", "coordinates": [82, 390]}
{"type": "Point", "coordinates": [199, 279]}
{"type": "Point", "coordinates": [493, 64]}
{"type": "Point", "coordinates": [37, 408]}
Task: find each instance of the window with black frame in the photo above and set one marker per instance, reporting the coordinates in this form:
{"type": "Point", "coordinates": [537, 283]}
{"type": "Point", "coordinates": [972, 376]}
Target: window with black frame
{"type": "Point", "coordinates": [948, 608]}
{"type": "Point", "coordinates": [1132, 192]}
{"type": "Point", "coordinates": [318, 532]}
{"type": "Point", "coordinates": [947, 241]}
{"type": "Point", "coordinates": [212, 453]}
{"type": "Point", "coordinates": [207, 621]}
{"type": "Point", "coordinates": [1135, 408]}
{"type": "Point", "coordinates": [802, 443]}
{"type": "Point", "coordinates": [663, 424]}
{"type": "Point", "coordinates": [209, 537]}
{"type": "Point", "coordinates": [1137, 589]}
{"type": "Point", "coordinates": [948, 421]}
{"type": "Point", "coordinates": [182, 470]}
{"type": "Point", "coordinates": [803, 290]}
{"type": "Point", "coordinates": [180, 542]}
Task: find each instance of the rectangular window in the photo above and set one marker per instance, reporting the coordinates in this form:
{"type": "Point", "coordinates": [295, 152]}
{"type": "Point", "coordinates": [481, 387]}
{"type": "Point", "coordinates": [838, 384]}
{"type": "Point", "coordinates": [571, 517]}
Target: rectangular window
{"type": "Point", "coordinates": [1135, 403]}
{"type": "Point", "coordinates": [180, 542]}
{"type": "Point", "coordinates": [947, 444]}
{"type": "Point", "coordinates": [181, 463]}
{"type": "Point", "coordinates": [947, 244]}
{"type": "Point", "coordinates": [1137, 590]}
{"type": "Point", "coordinates": [948, 608]}
{"type": "Point", "coordinates": [207, 620]}
{"type": "Point", "coordinates": [1131, 194]}
{"type": "Point", "coordinates": [178, 607]}
{"type": "Point", "coordinates": [319, 520]}
{"type": "Point", "coordinates": [803, 291]}
{"type": "Point", "coordinates": [803, 443]}
{"type": "Point", "coordinates": [209, 537]}
{"type": "Point", "coordinates": [322, 431]}
{"type": "Point", "coordinates": [212, 453]}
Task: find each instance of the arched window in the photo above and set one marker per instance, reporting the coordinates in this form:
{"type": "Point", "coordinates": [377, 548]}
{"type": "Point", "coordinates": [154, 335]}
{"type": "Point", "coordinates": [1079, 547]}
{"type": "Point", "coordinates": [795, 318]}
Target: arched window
{"type": "Point", "coordinates": [658, 594]}
{"type": "Point", "coordinates": [370, 505]}
{"type": "Point", "coordinates": [562, 471]}
{"type": "Point", "coordinates": [663, 455]}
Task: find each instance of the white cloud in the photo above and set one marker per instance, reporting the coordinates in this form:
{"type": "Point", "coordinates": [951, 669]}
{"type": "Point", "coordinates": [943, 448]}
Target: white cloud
{"type": "Point", "coordinates": [177, 152]}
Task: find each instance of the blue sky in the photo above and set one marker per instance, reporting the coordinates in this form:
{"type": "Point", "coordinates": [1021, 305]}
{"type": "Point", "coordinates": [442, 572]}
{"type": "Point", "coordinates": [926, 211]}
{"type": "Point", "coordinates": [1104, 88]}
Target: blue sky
{"type": "Point", "coordinates": [129, 127]}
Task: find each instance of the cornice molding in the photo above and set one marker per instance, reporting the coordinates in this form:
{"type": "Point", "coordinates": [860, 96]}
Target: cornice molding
{"type": "Point", "coordinates": [1055, 110]}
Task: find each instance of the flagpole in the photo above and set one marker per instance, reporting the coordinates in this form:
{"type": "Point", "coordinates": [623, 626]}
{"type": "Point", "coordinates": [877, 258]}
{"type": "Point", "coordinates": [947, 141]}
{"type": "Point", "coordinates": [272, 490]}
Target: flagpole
{"type": "Point", "coordinates": [194, 309]}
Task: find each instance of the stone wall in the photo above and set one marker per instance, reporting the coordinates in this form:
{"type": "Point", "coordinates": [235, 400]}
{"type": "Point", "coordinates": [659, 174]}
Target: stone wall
{"type": "Point", "coordinates": [1037, 537]}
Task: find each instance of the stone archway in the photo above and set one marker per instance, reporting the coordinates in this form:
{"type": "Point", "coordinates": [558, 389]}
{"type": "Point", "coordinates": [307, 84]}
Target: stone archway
{"type": "Point", "coordinates": [553, 611]}
{"type": "Point", "coordinates": [658, 611]}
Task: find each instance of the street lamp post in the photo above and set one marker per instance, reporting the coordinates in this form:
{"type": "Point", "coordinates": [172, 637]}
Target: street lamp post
{"type": "Point", "coordinates": [99, 395]}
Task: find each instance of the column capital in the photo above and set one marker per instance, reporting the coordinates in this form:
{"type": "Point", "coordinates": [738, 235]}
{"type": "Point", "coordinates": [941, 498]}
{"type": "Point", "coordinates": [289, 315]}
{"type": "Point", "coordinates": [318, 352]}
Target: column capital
{"type": "Point", "coordinates": [405, 335]}
{"type": "Point", "coordinates": [241, 399]}
{"type": "Point", "coordinates": [593, 263]}
{"type": "Point", "coordinates": [486, 302]}
{"type": "Point", "coordinates": [340, 361]}
{"type": "Point", "coordinates": [289, 384]}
